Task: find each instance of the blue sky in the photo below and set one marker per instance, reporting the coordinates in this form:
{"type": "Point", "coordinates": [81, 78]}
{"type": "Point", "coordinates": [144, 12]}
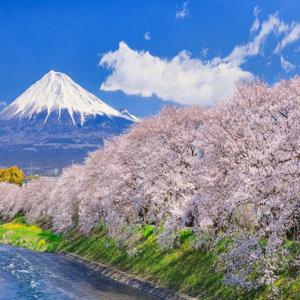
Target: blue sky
{"type": "Point", "coordinates": [189, 52]}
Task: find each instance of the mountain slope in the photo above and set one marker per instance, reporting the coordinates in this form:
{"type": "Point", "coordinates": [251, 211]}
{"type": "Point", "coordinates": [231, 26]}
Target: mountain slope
{"type": "Point", "coordinates": [57, 114]}
{"type": "Point", "coordinates": [57, 92]}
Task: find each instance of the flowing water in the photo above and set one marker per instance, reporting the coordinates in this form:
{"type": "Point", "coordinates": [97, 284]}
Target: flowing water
{"type": "Point", "coordinates": [30, 275]}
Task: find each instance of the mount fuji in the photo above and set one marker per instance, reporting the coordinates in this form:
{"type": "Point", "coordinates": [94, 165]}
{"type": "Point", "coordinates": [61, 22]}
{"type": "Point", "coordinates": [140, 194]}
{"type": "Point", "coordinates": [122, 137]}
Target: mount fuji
{"type": "Point", "coordinates": [56, 122]}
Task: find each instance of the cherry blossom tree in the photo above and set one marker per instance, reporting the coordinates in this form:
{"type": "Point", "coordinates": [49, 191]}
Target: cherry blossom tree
{"type": "Point", "coordinates": [250, 169]}
{"type": "Point", "coordinates": [35, 198]}
{"type": "Point", "coordinates": [229, 171]}
{"type": "Point", "coordinates": [10, 200]}
{"type": "Point", "coordinates": [63, 201]}
{"type": "Point", "coordinates": [147, 174]}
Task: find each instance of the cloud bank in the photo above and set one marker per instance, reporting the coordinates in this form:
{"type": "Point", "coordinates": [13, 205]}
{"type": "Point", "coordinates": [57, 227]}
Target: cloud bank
{"type": "Point", "coordinates": [271, 26]}
{"type": "Point", "coordinates": [292, 36]}
{"type": "Point", "coordinates": [188, 80]}
{"type": "Point", "coordinates": [182, 79]}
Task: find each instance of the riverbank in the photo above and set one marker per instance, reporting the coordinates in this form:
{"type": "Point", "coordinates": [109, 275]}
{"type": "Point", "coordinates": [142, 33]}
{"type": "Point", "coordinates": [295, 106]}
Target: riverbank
{"type": "Point", "coordinates": [182, 269]}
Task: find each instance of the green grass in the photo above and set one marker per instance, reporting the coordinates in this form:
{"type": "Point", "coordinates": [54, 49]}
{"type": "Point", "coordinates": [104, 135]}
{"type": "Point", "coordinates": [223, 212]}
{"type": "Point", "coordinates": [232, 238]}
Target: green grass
{"type": "Point", "coordinates": [18, 233]}
{"type": "Point", "coordinates": [184, 269]}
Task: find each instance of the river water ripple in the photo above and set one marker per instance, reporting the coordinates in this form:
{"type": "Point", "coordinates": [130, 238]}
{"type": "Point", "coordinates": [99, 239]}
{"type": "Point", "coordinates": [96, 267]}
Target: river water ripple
{"type": "Point", "coordinates": [44, 276]}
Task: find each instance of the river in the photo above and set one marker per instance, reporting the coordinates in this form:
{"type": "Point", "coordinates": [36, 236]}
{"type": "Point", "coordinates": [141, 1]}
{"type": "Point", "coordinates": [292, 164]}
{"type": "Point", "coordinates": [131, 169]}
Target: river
{"type": "Point", "coordinates": [31, 275]}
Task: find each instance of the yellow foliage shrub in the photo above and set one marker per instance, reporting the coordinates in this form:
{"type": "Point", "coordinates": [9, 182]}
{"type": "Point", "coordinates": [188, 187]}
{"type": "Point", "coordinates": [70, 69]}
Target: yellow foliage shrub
{"type": "Point", "coordinates": [12, 175]}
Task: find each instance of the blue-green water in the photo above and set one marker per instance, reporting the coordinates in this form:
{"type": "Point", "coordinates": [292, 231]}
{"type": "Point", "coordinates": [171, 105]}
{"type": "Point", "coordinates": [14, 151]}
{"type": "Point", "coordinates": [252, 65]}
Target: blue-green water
{"type": "Point", "coordinates": [30, 275]}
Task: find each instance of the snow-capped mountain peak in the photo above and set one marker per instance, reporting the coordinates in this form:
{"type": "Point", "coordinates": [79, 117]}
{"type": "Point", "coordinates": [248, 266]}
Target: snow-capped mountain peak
{"type": "Point", "coordinates": [127, 115]}
{"type": "Point", "coordinates": [57, 92]}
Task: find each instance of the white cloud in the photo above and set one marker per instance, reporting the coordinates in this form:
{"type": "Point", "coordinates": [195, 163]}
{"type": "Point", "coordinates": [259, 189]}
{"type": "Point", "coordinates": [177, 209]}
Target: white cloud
{"type": "Point", "coordinates": [286, 65]}
{"type": "Point", "coordinates": [147, 36]}
{"type": "Point", "coordinates": [256, 23]}
{"type": "Point", "coordinates": [292, 36]}
{"type": "Point", "coordinates": [255, 26]}
{"type": "Point", "coordinates": [188, 80]}
{"type": "Point", "coordinates": [183, 12]}
{"type": "Point", "coordinates": [241, 52]}
{"type": "Point", "coordinates": [182, 79]}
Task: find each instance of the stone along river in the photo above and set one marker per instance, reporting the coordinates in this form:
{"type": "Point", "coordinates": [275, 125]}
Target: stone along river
{"type": "Point", "coordinates": [30, 275]}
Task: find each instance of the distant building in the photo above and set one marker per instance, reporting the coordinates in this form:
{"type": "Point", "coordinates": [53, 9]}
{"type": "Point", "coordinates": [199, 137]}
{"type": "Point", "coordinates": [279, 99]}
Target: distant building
{"type": "Point", "coordinates": [50, 178]}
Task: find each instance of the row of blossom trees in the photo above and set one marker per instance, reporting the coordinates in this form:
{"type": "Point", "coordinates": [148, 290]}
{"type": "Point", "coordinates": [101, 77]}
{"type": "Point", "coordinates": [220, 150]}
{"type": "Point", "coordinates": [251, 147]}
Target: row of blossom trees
{"type": "Point", "coordinates": [231, 171]}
